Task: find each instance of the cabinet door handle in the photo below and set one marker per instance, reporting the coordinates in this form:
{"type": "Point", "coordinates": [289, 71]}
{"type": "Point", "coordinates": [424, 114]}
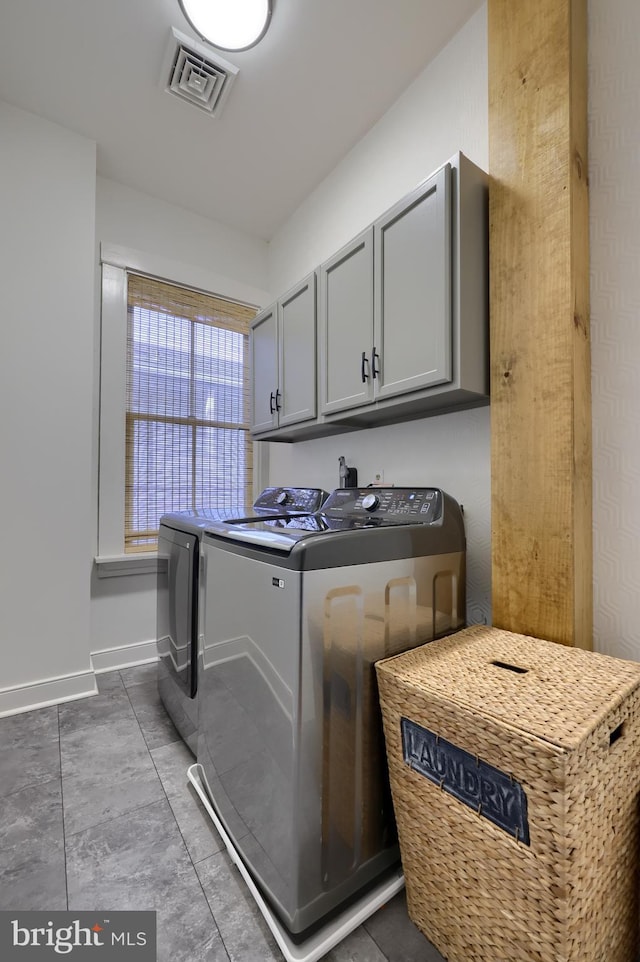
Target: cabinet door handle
{"type": "Point", "coordinates": [363, 367]}
{"type": "Point", "coordinates": [277, 403]}
{"type": "Point", "coordinates": [271, 400]}
{"type": "Point", "coordinates": [374, 356]}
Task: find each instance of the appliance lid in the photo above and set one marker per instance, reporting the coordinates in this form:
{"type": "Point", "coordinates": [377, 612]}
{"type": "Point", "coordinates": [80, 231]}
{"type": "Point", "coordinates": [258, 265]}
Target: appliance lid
{"type": "Point", "coordinates": [264, 533]}
{"type": "Point", "coordinates": [282, 534]}
{"type": "Point", "coordinates": [426, 521]}
{"type": "Point", "coordinates": [274, 500]}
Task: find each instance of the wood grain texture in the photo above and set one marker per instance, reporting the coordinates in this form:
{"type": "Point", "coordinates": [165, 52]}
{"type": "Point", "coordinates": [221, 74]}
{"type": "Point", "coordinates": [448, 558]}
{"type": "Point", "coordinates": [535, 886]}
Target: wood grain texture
{"type": "Point", "coordinates": [539, 292]}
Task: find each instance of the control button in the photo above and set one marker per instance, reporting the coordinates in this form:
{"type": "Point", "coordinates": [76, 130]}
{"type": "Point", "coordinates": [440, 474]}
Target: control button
{"type": "Point", "coordinates": [281, 498]}
{"type": "Point", "coordinates": [370, 502]}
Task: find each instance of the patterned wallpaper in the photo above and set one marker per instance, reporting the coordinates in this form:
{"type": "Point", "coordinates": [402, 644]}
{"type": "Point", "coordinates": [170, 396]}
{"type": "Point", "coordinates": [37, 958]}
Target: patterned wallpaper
{"type": "Point", "coordinates": [614, 176]}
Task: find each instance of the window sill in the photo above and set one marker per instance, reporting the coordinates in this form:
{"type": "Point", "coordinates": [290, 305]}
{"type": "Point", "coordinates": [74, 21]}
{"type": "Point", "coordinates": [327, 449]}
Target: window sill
{"type": "Point", "coordinates": [125, 565]}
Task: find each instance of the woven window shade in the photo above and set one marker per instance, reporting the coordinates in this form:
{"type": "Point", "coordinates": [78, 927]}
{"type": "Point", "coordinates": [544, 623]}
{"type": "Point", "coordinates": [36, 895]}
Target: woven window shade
{"type": "Point", "coordinates": [187, 431]}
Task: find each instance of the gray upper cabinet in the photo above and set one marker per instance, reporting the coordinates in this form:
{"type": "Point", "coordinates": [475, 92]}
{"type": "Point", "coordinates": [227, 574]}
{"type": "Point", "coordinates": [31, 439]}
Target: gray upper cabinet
{"type": "Point", "coordinates": [283, 360]}
{"type": "Point", "coordinates": [385, 304]}
{"type": "Point", "coordinates": [402, 320]}
{"type": "Point", "coordinates": [263, 352]}
{"type": "Point", "coordinates": [412, 304]}
{"type": "Point", "coordinates": [428, 350]}
{"type": "Point", "coordinates": [297, 353]}
{"type": "Point", "coordinates": [346, 326]}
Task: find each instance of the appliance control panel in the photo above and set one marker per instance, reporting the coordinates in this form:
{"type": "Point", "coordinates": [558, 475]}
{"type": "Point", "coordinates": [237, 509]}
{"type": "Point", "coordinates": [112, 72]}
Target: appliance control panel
{"type": "Point", "coordinates": [290, 499]}
{"type": "Point", "coordinates": [423, 505]}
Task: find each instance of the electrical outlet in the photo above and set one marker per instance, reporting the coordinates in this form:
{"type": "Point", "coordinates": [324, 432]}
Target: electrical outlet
{"type": "Point", "coordinates": [378, 476]}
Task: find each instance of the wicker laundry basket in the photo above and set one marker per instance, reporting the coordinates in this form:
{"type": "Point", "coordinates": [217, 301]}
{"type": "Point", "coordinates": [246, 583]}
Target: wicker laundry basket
{"type": "Point", "coordinates": [515, 774]}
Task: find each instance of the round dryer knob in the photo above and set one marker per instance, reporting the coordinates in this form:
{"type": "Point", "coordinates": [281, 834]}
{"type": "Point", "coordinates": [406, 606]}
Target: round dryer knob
{"type": "Point", "coordinates": [281, 498]}
{"type": "Point", "coordinates": [370, 502]}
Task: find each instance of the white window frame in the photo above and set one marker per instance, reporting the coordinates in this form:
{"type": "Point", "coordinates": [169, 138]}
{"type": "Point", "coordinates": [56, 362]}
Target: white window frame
{"type": "Point", "coordinates": [111, 559]}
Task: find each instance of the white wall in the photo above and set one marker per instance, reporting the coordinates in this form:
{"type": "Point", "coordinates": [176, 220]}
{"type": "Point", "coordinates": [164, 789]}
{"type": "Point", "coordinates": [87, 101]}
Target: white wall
{"type": "Point", "coordinates": [614, 164]}
{"type": "Point", "coordinates": [47, 202]}
{"type": "Point", "coordinates": [444, 110]}
{"type": "Point", "coordinates": [48, 626]}
{"type": "Point", "coordinates": [131, 219]}
{"type": "Point", "coordinates": [173, 243]}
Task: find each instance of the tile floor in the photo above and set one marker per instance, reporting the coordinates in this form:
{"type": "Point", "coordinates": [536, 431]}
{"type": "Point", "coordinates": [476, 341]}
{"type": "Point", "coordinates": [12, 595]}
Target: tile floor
{"type": "Point", "coordinates": [96, 813]}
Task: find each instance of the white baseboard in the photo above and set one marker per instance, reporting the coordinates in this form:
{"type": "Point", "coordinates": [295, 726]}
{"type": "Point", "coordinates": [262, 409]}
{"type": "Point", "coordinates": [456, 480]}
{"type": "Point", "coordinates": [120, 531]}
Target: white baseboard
{"type": "Point", "coordinates": [124, 656]}
{"type": "Point", "coordinates": [55, 691]}
{"type": "Point", "coordinates": [52, 691]}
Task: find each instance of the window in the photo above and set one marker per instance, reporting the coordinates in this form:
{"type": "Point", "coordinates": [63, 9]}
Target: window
{"type": "Point", "coordinates": [187, 442]}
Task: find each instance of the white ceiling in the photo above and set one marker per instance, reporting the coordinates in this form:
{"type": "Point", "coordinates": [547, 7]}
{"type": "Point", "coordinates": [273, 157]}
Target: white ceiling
{"type": "Point", "coordinates": [326, 71]}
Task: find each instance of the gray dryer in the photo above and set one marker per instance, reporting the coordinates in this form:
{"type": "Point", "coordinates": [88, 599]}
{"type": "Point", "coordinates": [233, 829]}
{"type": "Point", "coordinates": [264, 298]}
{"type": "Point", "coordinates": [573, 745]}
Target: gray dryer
{"type": "Point", "coordinates": [181, 598]}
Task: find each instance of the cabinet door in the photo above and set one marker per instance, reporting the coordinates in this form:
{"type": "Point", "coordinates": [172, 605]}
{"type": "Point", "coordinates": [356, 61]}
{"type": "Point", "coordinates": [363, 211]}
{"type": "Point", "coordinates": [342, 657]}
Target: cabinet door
{"type": "Point", "coordinates": [346, 319]}
{"type": "Point", "coordinates": [297, 353]}
{"type": "Point", "coordinates": [264, 370]}
{"type": "Point", "coordinates": [413, 320]}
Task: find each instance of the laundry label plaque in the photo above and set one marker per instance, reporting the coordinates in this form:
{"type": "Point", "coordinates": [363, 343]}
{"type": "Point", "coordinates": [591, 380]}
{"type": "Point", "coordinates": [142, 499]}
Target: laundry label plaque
{"type": "Point", "coordinates": [490, 792]}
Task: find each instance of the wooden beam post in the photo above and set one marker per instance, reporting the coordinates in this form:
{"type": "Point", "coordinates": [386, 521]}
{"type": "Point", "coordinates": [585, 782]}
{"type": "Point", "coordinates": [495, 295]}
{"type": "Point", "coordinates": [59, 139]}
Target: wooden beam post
{"type": "Point", "coordinates": [539, 290]}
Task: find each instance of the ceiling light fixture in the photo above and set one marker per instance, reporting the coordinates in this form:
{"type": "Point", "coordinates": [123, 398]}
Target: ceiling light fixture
{"type": "Point", "coordinates": [228, 24]}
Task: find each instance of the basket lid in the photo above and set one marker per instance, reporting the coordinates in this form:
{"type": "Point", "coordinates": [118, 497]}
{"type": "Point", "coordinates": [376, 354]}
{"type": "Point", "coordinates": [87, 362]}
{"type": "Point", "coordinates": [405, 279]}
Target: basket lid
{"type": "Point", "coordinates": [556, 693]}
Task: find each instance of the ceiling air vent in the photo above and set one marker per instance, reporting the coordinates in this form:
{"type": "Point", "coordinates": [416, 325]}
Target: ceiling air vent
{"type": "Point", "coordinates": [193, 74]}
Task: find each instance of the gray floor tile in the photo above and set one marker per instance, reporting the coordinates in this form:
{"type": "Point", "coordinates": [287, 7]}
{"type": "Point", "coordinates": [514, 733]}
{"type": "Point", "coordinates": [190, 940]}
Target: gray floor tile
{"type": "Point", "coordinates": [120, 758]}
{"type": "Point", "coordinates": [157, 727]}
{"type": "Point", "coordinates": [96, 710]}
{"type": "Point", "coordinates": [90, 800]}
{"type": "Point", "coordinates": [109, 681]}
{"type": "Point", "coordinates": [186, 929]}
{"type": "Point", "coordinates": [140, 675]}
{"type": "Point", "coordinates": [32, 862]}
{"type": "Point", "coordinates": [200, 836]}
{"type": "Point", "coordinates": [139, 861]}
{"type": "Point", "coordinates": [245, 933]}
{"type": "Point", "coordinates": [29, 749]}
{"type": "Point", "coordinates": [196, 828]}
{"type": "Point", "coordinates": [172, 762]}
{"type": "Point", "coordinates": [357, 947]}
{"type": "Point", "coordinates": [115, 748]}
{"type": "Point", "coordinates": [396, 935]}
{"type": "Point", "coordinates": [111, 861]}
{"type": "Point", "coordinates": [106, 767]}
